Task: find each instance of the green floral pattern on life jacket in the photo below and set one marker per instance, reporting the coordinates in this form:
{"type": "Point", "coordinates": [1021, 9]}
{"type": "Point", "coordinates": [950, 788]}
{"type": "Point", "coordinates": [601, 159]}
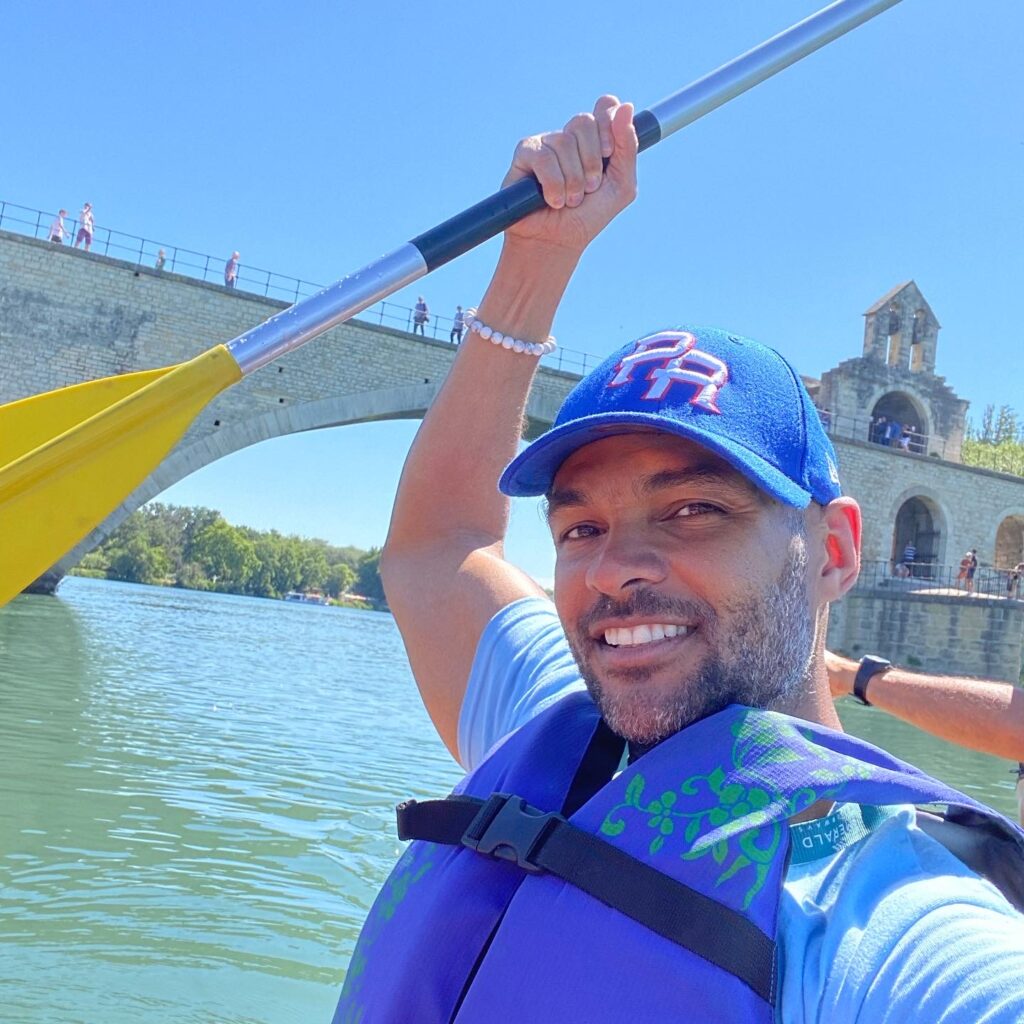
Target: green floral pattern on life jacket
{"type": "Point", "coordinates": [735, 813]}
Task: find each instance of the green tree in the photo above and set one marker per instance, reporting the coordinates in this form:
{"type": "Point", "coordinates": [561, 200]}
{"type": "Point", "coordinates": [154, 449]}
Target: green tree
{"type": "Point", "coordinates": [313, 568]}
{"type": "Point", "coordinates": [226, 555]}
{"type": "Point", "coordinates": [997, 444]}
{"type": "Point", "coordinates": [340, 578]}
{"type": "Point", "coordinates": [368, 577]}
{"type": "Point", "coordinates": [197, 548]}
{"type": "Point", "coordinates": [136, 562]}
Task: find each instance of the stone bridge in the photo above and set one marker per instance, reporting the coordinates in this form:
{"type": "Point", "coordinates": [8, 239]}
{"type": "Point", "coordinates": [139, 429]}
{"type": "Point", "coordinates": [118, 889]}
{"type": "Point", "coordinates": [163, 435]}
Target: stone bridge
{"type": "Point", "coordinates": [68, 316]}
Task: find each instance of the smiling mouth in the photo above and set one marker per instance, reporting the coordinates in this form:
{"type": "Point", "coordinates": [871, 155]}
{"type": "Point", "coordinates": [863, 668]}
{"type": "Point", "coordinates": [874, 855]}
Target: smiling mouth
{"type": "Point", "coordinates": [636, 636]}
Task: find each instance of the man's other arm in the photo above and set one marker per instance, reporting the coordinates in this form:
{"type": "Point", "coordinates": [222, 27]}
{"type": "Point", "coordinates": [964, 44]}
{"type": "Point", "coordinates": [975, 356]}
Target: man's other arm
{"type": "Point", "coordinates": [982, 715]}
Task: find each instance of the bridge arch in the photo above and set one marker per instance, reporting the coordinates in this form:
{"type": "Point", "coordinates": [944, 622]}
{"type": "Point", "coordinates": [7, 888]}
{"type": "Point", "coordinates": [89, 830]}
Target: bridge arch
{"type": "Point", "coordinates": [408, 402]}
{"type": "Point", "coordinates": [399, 403]}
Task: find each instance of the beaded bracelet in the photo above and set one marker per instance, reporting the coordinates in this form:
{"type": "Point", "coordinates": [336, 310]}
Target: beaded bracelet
{"type": "Point", "coordinates": [530, 348]}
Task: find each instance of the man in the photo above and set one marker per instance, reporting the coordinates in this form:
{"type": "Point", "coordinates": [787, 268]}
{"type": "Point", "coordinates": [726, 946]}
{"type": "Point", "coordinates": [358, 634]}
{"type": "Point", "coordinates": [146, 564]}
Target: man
{"type": "Point", "coordinates": [458, 326]}
{"type": "Point", "coordinates": [1013, 580]}
{"type": "Point", "coordinates": [420, 316]}
{"type": "Point", "coordinates": [909, 553]}
{"type": "Point", "coordinates": [879, 430]}
{"type": "Point", "coordinates": [741, 866]}
{"type": "Point", "coordinates": [231, 271]}
{"type": "Point", "coordinates": [57, 230]}
{"type": "Point", "coordinates": [85, 227]}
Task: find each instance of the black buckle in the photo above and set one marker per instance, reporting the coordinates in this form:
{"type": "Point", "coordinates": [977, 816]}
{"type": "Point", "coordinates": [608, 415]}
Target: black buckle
{"type": "Point", "coordinates": [508, 828]}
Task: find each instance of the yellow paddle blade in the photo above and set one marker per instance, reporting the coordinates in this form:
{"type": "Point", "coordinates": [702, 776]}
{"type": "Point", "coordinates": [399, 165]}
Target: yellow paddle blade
{"type": "Point", "coordinates": [33, 421]}
{"type": "Point", "coordinates": [52, 495]}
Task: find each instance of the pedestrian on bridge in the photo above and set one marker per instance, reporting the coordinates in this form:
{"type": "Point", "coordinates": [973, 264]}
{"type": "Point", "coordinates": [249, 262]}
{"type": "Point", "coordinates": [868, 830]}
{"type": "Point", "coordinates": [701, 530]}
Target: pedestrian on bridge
{"type": "Point", "coordinates": [458, 326]}
{"type": "Point", "coordinates": [420, 316]}
{"type": "Point", "coordinates": [85, 228]}
{"type": "Point", "coordinates": [231, 271]}
{"type": "Point", "coordinates": [57, 230]}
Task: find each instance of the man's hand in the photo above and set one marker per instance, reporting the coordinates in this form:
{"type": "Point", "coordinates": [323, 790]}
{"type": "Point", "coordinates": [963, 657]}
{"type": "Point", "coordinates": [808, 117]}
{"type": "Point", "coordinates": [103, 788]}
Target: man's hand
{"type": "Point", "coordinates": [581, 194]}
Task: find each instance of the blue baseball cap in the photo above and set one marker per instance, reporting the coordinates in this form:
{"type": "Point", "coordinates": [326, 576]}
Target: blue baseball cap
{"type": "Point", "coordinates": [733, 396]}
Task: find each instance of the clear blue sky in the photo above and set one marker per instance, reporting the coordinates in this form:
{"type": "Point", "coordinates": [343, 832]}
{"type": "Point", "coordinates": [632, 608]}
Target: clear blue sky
{"type": "Point", "coordinates": [313, 136]}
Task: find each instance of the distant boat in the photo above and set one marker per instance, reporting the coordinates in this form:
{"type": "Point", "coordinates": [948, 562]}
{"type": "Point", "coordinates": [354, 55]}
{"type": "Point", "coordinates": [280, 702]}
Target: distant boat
{"type": "Point", "coordinates": [309, 597]}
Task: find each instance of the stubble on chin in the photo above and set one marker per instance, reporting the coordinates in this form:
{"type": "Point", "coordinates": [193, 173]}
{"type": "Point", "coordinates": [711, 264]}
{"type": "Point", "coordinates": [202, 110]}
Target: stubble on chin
{"type": "Point", "coordinates": [758, 654]}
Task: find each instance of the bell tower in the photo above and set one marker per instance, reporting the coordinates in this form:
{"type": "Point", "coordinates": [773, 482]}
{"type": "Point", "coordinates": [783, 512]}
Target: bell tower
{"type": "Point", "coordinates": [901, 331]}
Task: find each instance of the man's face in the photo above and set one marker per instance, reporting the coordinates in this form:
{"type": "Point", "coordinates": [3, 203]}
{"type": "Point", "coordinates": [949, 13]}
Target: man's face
{"type": "Point", "coordinates": [681, 587]}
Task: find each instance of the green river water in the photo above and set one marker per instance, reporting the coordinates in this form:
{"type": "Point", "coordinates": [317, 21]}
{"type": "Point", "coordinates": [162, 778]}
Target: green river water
{"type": "Point", "coordinates": [196, 800]}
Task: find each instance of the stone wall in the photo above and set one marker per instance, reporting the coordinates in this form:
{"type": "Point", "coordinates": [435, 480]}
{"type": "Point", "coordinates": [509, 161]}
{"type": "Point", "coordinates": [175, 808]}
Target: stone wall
{"type": "Point", "coordinates": [968, 503]}
{"type": "Point", "coordinates": [971, 636]}
{"type": "Point", "coordinates": [68, 316]}
{"type": "Point", "coordinates": [851, 390]}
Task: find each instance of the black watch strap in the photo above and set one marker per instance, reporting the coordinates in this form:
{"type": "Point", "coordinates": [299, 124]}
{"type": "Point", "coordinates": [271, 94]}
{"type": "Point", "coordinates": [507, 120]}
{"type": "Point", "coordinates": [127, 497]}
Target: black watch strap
{"type": "Point", "coordinates": [869, 666]}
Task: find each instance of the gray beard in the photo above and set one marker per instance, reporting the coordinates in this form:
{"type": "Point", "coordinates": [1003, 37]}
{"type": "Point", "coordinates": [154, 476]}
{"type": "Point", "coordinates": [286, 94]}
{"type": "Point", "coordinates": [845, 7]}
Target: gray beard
{"type": "Point", "coordinates": [760, 652]}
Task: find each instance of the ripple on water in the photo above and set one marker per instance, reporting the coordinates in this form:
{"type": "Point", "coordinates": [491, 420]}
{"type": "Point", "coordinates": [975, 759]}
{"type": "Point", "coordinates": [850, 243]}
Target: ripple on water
{"type": "Point", "coordinates": [201, 797]}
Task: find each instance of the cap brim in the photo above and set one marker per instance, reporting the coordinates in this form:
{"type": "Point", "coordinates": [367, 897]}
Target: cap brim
{"type": "Point", "coordinates": [532, 472]}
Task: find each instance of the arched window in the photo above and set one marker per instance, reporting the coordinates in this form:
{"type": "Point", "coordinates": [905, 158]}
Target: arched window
{"type": "Point", "coordinates": [897, 421]}
{"type": "Point", "coordinates": [915, 537]}
{"type": "Point", "coordinates": [1010, 542]}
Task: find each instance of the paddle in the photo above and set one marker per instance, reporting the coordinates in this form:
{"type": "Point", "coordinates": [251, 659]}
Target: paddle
{"type": "Point", "coordinates": [69, 457]}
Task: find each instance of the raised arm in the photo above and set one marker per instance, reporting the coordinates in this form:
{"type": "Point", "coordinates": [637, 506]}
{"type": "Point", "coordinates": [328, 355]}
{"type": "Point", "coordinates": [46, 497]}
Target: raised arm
{"type": "Point", "coordinates": [983, 715]}
{"type": "Point", "coordinates": [443, 565]}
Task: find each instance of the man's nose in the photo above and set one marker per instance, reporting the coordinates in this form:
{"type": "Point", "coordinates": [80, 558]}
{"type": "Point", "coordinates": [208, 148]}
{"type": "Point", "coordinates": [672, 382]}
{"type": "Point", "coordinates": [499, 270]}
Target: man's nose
{"type": "Point", "coordinates": [625, 559]}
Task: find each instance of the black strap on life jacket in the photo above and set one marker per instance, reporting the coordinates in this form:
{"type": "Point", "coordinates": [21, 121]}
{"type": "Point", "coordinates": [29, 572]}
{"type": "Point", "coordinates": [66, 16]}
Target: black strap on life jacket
{"type": "Point", "coordinates": [507, 828]}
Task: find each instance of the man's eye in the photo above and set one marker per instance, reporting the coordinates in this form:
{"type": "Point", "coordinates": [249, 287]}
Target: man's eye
{"type": "Point", "coordinates": [580, 532]}
{"type": "Point", "coordinates": [695, 508]}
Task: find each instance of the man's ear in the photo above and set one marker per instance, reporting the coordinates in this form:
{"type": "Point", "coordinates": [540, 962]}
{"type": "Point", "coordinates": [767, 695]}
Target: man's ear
{"type": "Point", "coordinates": [841, 523]}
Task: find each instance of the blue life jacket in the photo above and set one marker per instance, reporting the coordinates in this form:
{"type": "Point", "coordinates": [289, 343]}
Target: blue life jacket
{"type": "Point", "coordinates": [544, 890]}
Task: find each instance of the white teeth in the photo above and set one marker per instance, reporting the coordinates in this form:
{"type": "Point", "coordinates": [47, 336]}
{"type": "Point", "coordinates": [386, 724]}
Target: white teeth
{"type": "Point", "coordinates": [623, 636]}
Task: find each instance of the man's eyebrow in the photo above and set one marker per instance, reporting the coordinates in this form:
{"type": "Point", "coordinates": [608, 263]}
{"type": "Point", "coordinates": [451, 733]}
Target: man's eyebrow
{"type": "Point", "coordinates": [703, 474]}
{"type": "Point", "coordinates": [564, 498]}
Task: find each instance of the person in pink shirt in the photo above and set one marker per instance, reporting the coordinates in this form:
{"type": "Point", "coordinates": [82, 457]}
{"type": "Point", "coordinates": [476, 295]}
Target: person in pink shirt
{"type": "Point", "coordinates": [85, 227]}
{"type": "Point", "coordinates": [57, 230]}
{"type": "Point", "coordinates": [231, 271]}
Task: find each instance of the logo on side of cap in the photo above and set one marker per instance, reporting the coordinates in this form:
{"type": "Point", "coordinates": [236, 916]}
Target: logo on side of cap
{"type": "Point", "coordinates": [677, 361]}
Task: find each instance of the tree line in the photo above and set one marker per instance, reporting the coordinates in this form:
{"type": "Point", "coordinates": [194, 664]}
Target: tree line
{"type": "Point", "coordinates": [997, 443]}
{"type": "Point", "coordinates": [198, 549]}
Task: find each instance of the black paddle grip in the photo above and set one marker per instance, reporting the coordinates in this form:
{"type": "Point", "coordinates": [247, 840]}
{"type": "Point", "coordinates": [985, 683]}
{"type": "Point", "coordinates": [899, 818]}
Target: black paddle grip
{"type": "Point", "coordinates": [492, 215]}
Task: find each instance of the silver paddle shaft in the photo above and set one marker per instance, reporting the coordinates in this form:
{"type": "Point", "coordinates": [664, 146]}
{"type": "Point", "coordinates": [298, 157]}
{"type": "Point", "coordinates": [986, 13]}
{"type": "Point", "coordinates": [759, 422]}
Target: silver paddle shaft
{"type": "Point", "coordinates": [383, 276]}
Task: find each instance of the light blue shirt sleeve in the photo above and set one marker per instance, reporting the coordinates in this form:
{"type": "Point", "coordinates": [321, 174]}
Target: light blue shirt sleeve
{"type": "Point", "coordinates": [522, 666]}
{"type": "Point", "coordinates": [895, 929]}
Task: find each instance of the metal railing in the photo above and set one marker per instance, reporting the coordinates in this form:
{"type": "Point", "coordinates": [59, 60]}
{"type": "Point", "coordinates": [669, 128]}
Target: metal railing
{"type": "Point", "coordinates": [254, 280]}
{"type": "Point", "coordinates": [940, 580]}
{"type": "Point", "coordinates": [864, 428]}
{"type": "Point", "coordinates": [144, 252]}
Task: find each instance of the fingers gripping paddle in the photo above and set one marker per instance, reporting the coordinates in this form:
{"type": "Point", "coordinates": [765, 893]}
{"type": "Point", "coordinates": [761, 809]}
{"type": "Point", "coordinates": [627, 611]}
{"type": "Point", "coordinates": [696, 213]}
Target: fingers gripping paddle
{"type": "Point", "coordinates": [70, 457]}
